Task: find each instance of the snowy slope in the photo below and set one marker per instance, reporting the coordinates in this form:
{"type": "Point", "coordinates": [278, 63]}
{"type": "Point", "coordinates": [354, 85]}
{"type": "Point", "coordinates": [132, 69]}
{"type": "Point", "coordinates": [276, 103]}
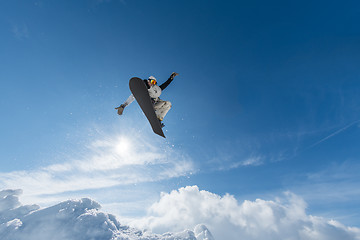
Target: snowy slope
{"type": "Point", "coordinates": [73, 220]}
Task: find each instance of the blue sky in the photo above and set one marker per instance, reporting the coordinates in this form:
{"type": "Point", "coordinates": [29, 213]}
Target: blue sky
{"type": "Point", "coordinates": [267, 99]}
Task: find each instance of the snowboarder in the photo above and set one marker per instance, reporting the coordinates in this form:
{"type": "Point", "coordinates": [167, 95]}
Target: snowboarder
{"type": "Point", "coordinates": [161, 107]}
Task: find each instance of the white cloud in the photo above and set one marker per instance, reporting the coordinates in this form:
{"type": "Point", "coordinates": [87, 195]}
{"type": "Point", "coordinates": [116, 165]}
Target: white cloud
{"type": "Point", "coordinates": [73, 220]}
{"type": "Point", "coordinates": [283, 218]}
{"type": "Point", "coordinates": [186, 208]}
{"type": "Point", "coordinates": [227, 160]}
{"type": "Point", "coordinates": [108, 162]}
{"type": "Point", "coordinates": [251, 161]}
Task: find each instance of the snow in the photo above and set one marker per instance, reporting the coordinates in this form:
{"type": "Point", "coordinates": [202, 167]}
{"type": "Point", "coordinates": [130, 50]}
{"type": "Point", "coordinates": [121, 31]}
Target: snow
{"type": "Point", "coordinates": [202, 233]}
{"type": "Point", "coordinates": [73, 220]}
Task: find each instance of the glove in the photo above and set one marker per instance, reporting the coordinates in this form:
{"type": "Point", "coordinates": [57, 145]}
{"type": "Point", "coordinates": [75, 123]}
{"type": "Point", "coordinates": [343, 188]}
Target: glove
{"type": "Point", "coordinates": [121, 109]}
{"type": "Point", "coordinates": [174, 74]}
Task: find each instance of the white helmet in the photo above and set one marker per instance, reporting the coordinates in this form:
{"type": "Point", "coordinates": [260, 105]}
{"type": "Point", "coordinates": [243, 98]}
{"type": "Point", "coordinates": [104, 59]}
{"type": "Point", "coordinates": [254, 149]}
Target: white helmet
{"type": "Point", "coordinates": [152, 78]}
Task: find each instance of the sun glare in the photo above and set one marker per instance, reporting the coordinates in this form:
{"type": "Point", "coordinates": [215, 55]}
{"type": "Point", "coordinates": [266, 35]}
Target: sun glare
{"type": "Point", "coordinates": [123, 146]}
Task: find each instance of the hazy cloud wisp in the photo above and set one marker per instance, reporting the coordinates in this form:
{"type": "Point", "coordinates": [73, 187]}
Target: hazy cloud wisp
{"type": "Point", "coordinates": [110, 161]}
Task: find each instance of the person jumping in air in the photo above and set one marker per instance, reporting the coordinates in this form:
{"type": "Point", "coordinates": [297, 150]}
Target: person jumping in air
{"type": "Point", "coordinates": [161, 107]}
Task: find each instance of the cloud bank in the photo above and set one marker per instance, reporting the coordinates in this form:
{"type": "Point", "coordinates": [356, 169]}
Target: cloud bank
{"type": "Point", "coordinates": [73, 220]}
{"type": "Point", "coordinates": [284, 218]}
{"type": "Point", "coordinates": [185, 208]}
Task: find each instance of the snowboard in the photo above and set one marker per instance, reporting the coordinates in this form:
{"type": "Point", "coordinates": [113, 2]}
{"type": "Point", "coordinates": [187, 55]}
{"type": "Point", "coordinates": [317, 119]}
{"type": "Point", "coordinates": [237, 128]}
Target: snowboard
{"type": "Point", "coordinates": [141, 94]}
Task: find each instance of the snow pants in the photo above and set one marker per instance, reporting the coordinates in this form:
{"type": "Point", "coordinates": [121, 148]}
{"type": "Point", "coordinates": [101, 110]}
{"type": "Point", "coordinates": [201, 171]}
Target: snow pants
{"type": "Point", "coordinates": [161, 108]}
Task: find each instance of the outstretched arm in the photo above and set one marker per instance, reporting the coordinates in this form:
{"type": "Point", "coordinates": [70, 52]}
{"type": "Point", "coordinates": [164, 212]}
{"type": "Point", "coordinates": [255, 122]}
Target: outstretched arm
{"type": "Point", "coordinates": [165, 84]}
{"type": "Point", "coordinates": [128, 101]}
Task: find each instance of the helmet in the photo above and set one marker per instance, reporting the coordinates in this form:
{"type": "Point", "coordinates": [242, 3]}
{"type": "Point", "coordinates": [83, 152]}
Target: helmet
{"type": "Point", "coordinates": [152, 79]}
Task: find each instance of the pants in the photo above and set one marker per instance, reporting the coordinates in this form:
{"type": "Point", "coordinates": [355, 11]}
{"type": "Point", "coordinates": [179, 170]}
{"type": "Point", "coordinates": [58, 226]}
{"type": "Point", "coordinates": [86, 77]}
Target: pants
{"type": "Point", "coordinates": [161, 108]}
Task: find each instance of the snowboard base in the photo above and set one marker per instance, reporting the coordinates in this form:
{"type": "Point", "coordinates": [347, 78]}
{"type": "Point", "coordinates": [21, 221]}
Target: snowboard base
{"type": "Point", "coordinates": [141, 94]}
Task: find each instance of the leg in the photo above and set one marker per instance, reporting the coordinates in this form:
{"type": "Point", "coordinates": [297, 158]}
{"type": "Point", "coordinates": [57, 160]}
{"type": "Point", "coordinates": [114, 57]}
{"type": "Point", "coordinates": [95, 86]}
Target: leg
{"type": "Point", "coordinates": [161, 108]}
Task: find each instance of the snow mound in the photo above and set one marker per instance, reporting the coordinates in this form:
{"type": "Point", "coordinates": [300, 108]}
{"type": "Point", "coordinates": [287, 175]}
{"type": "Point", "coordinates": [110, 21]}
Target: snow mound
{"type": "Point", "coordinates": [202, 233]}
{"type": "Point", "coordinates": [73, 220]}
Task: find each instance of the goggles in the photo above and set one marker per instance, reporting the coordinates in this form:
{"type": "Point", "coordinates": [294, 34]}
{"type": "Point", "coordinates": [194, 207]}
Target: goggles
{"type": "Point", "coordinates": [152, 81]}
